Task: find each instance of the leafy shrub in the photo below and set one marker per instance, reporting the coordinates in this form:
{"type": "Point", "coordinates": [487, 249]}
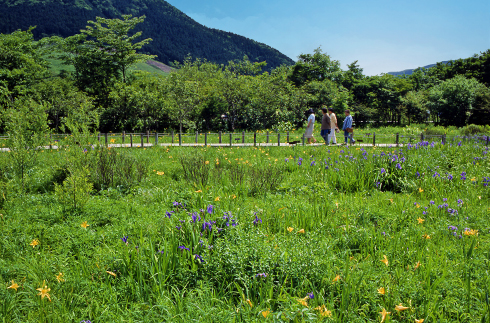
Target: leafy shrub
{"type": "Point", "coordinates": [474, 129]}
{"type": "Point", "coordinates": [74, 193]}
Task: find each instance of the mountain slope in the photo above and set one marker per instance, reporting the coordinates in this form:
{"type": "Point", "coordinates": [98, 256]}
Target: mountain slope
{"type": "Point", "coordinates": [410, 71]}
{"type": "Point", "coordinates": [174, 34]}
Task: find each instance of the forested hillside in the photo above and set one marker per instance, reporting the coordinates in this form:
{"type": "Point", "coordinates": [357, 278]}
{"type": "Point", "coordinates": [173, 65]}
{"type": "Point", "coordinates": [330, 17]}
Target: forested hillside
{"type": "Point", "coordinates": [174, 34]}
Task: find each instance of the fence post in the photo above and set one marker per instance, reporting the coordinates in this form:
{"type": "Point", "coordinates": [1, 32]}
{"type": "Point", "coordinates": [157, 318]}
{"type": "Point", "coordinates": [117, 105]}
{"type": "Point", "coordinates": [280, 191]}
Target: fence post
{"type": "Point", "coordinates": [142, 140]}
{"type": "Point", "coordinates": [180, 139]}
{"type": "Point", "coordinates": [374, 139]}
{"type": "Point", "coordinates": [219, 137]}
{"type": "Point", "coordinates": [231, 138]}
{"type": "Point", "coordinates": [131, 139]}
{"type": "Point", "coordinates": [106, 136]}
{"type": "Point", "coordinates": [123, 136]}
{"type": "Point", "coordinates": [287, 138]}
{"type": "Point", "coordinates": [255, 139]}
{"type": "Point", "coordinates": [243, 137]}
{"type": "Point", "coordinates": [303, 139]}
{"type": "Point", "coordinates": [51, 141]}
{"type": "Point", "coordinates": [205, 139]}
{"type": "Point", "coordinates": [351, 139]}
{"type": "Point", "coordinates": [172, 134]}
{"type": "Point", "coordinates": [397, 138]}
{"type": "Point", "coordinates": [267, 140]}
{"type": "Point", "coordinates": [197, 136]}
{"type": "Point", "coordinates": [156, 138]}
{"type": "Point", "coordinates": [422, 136]}
{"type": "Point", "coordinates": [98, 136]}
{"type": "Point", "coordinates": [488, 139]}
{"type": "Point", "coordinates": [444, 139]}
{"type": "Point", "coordinates": [279, 139]}
{"type": "Point", "coordinates": [147, 136]}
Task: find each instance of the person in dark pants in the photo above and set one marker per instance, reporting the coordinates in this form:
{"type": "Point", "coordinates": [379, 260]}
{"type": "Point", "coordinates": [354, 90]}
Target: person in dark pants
{"type": "Point", "coordinates": [326, 128]}
{"type": "Point", "coordinates": [347, 125]}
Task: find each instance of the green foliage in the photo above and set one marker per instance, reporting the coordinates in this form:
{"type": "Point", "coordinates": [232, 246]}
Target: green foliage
{"type": "Point", "coordinates": [75, 191]}
{"type": "Point", "coordinates": [21, 64]}
{"type": "Point", "coordinates": [453, 99]}
{"type": "Point", "coordinates": [26, 127]}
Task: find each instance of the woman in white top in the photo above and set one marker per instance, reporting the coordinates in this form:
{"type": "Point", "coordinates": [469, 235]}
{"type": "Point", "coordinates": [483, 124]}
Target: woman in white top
{"type": "Point", "coordinates": [311, 124]}
{"type": "Point", "coordinates": [334, 127]}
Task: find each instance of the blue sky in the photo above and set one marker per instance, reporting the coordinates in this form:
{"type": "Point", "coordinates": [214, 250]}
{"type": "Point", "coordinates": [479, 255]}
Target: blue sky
{"type": "Point", "coordinates": [383, 35]}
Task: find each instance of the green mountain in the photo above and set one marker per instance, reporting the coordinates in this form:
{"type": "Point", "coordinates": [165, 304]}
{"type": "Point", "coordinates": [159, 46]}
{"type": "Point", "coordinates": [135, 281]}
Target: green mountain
{"type": "Point", "coordinates": [174, 34]}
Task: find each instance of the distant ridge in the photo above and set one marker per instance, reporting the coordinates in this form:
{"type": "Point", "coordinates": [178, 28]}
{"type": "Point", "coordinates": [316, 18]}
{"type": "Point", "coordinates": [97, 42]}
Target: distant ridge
{"type": "Point", "coordinates": [409, 72]}
{"type": "Point", "coordinates": [174, 34]}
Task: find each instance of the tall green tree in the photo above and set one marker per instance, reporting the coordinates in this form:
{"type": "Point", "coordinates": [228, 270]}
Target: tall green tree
{"type": "Point", "coordinates": [453, 99]}
{"type": "Point", "coordinates": [103, 52]}
{"type": "Point", "coordinates": [21, 64]}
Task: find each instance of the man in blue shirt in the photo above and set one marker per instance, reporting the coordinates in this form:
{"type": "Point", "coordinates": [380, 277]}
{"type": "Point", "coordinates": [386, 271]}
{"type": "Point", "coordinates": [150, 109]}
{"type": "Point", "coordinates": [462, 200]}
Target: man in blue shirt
{"type": "Point", "coordinates": [347, 124]}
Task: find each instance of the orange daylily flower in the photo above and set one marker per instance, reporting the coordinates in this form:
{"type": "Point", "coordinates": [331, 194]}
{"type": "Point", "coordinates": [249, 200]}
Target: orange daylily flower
{"type": "Point", "coordinates": [400, 308]}
{"type": "Point", "coordinates": [13, 286]}
{"type": "Point", "coordinates": [383, 315]}
{"type": "Point", "coordinates": [385, 260]}
{"type": "Point", "coordinates": [84, 225]}
{"type": "Point", "coordinates": [44, 291]}
{"type": "Point", "coordinates": [381, 291]}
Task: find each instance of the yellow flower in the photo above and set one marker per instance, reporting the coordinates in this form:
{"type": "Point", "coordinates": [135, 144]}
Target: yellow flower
{"type": "Point", "coordinates": [60, 278]}
{"type": "Point", "coordinates": [303, 302]}
{"type": "Point", "coordinates": [84, 225]}
{"type": "Point", "coordinates": [34, 243]}
{"type": "Point", "coordinates": [473, 179]}
{"type": "Point", "coordinates": [199, 191]}
{"type": "Point", "coordinates": [207, 162]}
{"type": "Point", "coordinates": [216, 199]}
{"type": "Point", "coordinates": [13, 286]}
{"type": "Point", "coordinates": [336, 278]}
{"type": "Point", "coordinates": [418, 205]}
{"type": "Point", "coordinates": [301, 231]}
{"type": "Point", "coordinates": [381, 291]}
{"type": "Point", "coordinates": [471, 232]}
{"type": "Point", "coordinates": [160, 173]}
{"type": "Point", "coordinates": [420, 220]}
{"type": "Point", "coordinates": [420, 190]}
{"type": "Point", "coordinates": [419, 321]}
{"type": "Point", "coordinates": [426, 236]}
{"type": "Point", "coordinates": [290, 229]}
{"type": "Point", "coordinates": [417, 265]}
{"type": "Point", "coordinates": [44, 291]}
{"type": "Point", "coordinates": [111, 273]}
{"type": "Point", "coordinates": [250, 303]}
{"type": "Point", "coordinates": [323, 311]}
{"type": "Point", "coordinates": [113, 141]}
{"type": "Point", "coordinates": [384, 260]}
{"type": "Point", "coordinates": [400, 308]}
{"type": "Point", "coordinates": [265, 314]}
{"type": "Point", "coordinates": [383, 315]}
{"type": "Point", "coordinates": [391, 200]}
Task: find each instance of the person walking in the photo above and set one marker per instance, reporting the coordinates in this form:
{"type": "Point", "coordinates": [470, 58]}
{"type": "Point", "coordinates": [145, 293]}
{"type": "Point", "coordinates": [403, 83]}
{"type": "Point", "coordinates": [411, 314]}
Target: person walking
{"type": "Point", "coordinates": [347, 126]}
{"type": "Point", "coordinates": [333, 126]}
{"type": "Point", "coordinates": [311, 124]}
{"type": "Point", "coordinates": [325, 132]}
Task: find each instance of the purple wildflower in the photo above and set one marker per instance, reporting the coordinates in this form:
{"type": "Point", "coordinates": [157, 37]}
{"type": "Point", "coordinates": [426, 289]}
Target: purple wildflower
{"type": "Point", "coordinates": [210, 209]}
{"type": "Point", "coordinates": [125, 239]}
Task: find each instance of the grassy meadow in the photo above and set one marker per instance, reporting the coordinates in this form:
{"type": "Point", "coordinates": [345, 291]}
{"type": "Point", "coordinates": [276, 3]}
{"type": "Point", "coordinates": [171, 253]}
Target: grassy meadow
{"type": "Point", "coordinates": [251, 234]}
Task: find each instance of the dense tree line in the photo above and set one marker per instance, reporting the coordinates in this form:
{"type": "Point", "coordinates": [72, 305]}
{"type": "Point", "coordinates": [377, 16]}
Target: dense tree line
{"type": "Point", "coordinates": [202, 95]}
{"type": "Point", "coordinates": [174, 34]}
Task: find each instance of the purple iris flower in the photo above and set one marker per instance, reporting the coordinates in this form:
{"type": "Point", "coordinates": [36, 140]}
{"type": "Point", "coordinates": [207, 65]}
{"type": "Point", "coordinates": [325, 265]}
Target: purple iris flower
{"type": "Point", "coordinates": [311, 295]}
{"type": "Point", "coordinates": [183, 248]}
{"type": "Point", "coordinates": [210, 209]}
{"type": "Point", "coordinates": [257, 220]}
{"type": "Point", "coordinates": [125, 239]}
{"type": "Point", "coordinates": [398, 166]}
{"type": "Point", "coordinates": [383, 171]}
